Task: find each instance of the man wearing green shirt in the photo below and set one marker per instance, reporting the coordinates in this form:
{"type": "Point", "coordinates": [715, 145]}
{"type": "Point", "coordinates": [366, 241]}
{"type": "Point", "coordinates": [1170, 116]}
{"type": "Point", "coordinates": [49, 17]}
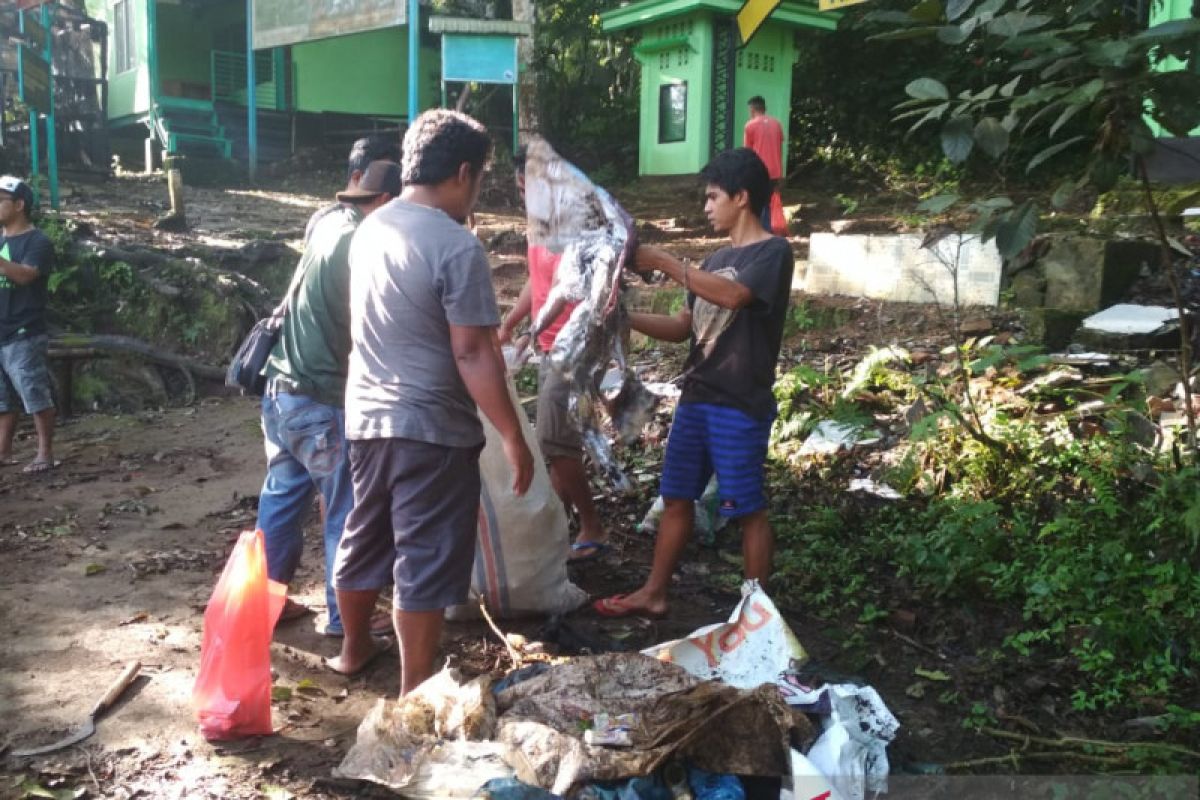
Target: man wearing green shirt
{"type": "Point", "coordinates": [303, 406]}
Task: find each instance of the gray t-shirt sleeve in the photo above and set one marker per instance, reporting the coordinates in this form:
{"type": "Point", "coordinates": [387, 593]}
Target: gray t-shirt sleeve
{"type": "Point", "coordinates": [464, 285]}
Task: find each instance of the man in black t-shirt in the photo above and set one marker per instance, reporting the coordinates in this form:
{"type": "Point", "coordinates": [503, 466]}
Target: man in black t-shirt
{"type": "Point", "coordinates": [735, 312]}
{"type": "Point", "coordinates": [26, 257]}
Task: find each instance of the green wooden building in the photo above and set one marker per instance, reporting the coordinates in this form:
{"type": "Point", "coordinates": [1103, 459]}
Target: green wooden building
{"type": "Point", "coordinates": [179, 68]}
{"type": "Point", "coordinates": [696, 80]}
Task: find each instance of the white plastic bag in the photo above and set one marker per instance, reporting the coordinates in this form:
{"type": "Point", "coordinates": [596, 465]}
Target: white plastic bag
{"type": "Point", "coordinates": [754, 647]}
{"type": "Point", "coordinates": [523, 544]}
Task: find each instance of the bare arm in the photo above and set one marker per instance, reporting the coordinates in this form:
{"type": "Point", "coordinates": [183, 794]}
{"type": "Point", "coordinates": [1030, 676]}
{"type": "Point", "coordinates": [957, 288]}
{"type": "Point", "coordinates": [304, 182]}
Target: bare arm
{"type": "Point", "coordinates": [662, 326]}
{"type": "Point", "coordinates": [18, 273]}
{"type": "Point", "coordinates": [519, 312]}
{"type": "Point", "coordinates": [715, 289]}
{"type": "Point", "coordinates": [477, 356]}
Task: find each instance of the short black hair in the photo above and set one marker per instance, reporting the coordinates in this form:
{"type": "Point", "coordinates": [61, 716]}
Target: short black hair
{"type": "Point", "coordinates": [740, 170]}
{"type": "Point", "coordinates": [757, 103]}
{"type": "Point", "coordinates": [441, 140]}
{"type": "Point", "coordinates": [377, 147]}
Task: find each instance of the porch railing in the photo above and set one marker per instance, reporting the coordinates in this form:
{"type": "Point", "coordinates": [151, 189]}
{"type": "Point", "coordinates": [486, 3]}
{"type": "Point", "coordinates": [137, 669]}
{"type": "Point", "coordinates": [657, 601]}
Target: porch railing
{"type": "Point", "coordinates": [229, 78]}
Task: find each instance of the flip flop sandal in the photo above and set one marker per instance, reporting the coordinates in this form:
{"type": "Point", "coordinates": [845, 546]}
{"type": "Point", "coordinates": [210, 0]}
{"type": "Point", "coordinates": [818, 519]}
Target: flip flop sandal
{"type": "Point", "coordinates": [587, 551]}
{"type": "Point", "coordinates": [618, 606]}
{"type": "Point", "coordinates": [34, 467]}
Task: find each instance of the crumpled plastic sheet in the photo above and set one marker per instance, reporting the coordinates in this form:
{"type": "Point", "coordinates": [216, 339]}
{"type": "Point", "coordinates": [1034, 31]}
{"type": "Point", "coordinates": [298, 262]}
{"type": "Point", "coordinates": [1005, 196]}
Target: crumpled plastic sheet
{"type": "Point", "coordinates": [715, 726]}
{"type": "Point", "coordinates": [416, 745]}
{"type": "Point", "coordinates": [852, 750]}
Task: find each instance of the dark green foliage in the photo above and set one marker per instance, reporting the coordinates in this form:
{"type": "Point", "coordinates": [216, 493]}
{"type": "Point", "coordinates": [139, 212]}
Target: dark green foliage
{"type": "Point", "coordinates": [587, 88]}
{"type": "Point", "coordinates": [1087, 542]}
{"type": "Point", "coordinates": [1065, 80]}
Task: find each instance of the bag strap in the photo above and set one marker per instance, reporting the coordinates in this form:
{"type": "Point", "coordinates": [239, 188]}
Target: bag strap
{"type": "Point", "coordinates": [297, 280]}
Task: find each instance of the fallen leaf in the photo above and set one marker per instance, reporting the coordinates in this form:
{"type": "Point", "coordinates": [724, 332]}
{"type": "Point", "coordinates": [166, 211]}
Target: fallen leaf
{"type": "Point", "coordinates": [933, 675]}
{"type": "Point", "coordinates": [309, 686]}
{"type": "Point", "coordinates": [141, 616]}
{"type": "Point", "coordinates": [916, 691]}
{"type": "Point", "coordinates": [94, 569]}
{"type": "Point", "coordinates": [281, 694]}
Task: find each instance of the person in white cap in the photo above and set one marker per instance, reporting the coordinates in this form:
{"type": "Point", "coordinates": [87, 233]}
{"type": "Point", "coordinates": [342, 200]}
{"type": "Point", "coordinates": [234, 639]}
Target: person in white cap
{"type": "Point", "coordinates": [26, 258]}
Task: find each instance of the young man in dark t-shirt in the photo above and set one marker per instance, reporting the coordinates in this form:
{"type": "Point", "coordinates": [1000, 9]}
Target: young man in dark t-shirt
{"type": "Point", "coordinates": [735, 312]}
{"type": "Point", "coordinates": [26, 258]}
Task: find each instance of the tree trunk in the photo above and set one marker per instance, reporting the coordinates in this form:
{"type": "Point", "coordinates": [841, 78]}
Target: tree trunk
{"type": "Point", "coordinates": [527, 105]}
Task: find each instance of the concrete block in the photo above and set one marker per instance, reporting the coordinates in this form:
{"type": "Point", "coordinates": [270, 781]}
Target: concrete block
{"type": "Point", "coordinates": [1085, 274]}
{"type": "Point", "coordinates": [895, 267]}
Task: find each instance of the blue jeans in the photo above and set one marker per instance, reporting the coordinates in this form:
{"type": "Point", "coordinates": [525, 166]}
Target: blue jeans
{"type": "Point", "coordinates": [306, 449]}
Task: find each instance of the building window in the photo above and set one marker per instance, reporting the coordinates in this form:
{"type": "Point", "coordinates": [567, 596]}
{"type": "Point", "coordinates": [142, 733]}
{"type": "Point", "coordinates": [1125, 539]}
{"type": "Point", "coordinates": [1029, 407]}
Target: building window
{"type": "Point", "coordinates": [124, 37]}
{"type": "Point", "coordinates": [672, 112]}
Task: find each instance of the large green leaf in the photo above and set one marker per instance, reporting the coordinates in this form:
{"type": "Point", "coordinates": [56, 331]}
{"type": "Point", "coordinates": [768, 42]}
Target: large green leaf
{"type": "Point", "coordinates": [1017, 230]}
{"type": "Point", "coordinates": [955, 34]}
{"type": "Point", "coordinates": [957, 141]}
{"type": "Point", "coordinates": [1186, 28]}
{"type": "Point", "coordinates": [1087, 92]}
{"type": "Point", "coordinates": [1065, 117]}
{"type": "Point", "coordinates": [934, 113]}
{"type": "Point", "coordinates": [1042, 114]}
{"type": "Point", "coordinates": [1060, 64]}
{"type": "Point", "coordinates": [1115, 53]}
{"type": "Point", "coordinates": [937, 204]}
{"type": "Point", "coordinates": [929, 11]}
{"type": "Point", "coordinates": [1038, 95]}
{"type": "Point", "coordinates": [927, 89]}
{"type": "Point", "coordinates": [990, 204]}
{"type": "Point", "coordinates": [1050, 152]}
{"type": "Point", "coordinates": [1015, 23]}
{"type": "Point", "coordinates": [991, 136]}
{"type": "Point", "coordinates": [956, 8]}
{"type": "Point", "coordinates": [1009, 88]}
{"type": "Point", "coordinates": [904, 34]}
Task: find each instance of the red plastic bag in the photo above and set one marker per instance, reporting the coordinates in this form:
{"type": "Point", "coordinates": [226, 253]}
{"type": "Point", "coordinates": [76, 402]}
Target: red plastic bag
{"type": "Point", "coordinates": [778, 221]}
{"type": "Point", "coordinates": [232, 694]}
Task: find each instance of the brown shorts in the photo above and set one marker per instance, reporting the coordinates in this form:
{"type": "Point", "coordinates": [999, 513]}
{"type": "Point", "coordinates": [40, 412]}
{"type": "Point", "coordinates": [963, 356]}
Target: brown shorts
{"type": "Point", "coordinates": [557, 430]}
{"type": "Point", "coordinates": [414, 522]}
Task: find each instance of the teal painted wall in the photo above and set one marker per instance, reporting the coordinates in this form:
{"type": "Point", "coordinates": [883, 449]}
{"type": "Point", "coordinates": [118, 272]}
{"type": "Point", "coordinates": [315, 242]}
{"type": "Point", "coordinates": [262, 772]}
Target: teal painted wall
{"type": "Point", "coordinates": [129, 91]}
{"type": "Point", "coordinates": [363, 73]}
{"type": "Point", "coordinates": [764, 68]}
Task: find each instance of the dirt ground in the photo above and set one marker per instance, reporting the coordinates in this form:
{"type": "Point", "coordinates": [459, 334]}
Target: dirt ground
{"type": "Point", "coordinates": [112, 557]}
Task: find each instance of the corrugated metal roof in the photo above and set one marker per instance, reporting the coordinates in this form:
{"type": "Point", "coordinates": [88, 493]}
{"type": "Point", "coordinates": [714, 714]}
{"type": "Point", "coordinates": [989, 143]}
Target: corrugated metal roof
{"type": "Point", "coordinates": [481, 26]}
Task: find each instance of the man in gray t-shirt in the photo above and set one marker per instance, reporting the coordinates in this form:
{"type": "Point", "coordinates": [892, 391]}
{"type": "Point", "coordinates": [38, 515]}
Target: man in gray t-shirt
{"type": "Point", "coordinates": [424, 356]}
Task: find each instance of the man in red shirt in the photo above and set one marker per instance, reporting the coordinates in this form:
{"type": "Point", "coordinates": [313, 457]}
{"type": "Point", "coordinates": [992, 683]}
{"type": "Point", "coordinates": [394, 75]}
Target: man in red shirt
{"type": "Point", "coordinates": [764, 135]}
{"type": "Point", "coordinates": [557, 431]}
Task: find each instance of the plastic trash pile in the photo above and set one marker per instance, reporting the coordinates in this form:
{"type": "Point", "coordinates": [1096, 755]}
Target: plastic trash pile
{"type": "Point", "coordinates": [681, 719]}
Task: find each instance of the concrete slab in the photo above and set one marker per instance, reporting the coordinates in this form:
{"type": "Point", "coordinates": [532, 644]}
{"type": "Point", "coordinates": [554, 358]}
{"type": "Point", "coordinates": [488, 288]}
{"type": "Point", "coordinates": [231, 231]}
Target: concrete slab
{"type": "Point", "coordinates": [895, 267]}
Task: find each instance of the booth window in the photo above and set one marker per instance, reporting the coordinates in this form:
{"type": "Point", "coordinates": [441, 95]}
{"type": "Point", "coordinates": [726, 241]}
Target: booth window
{"type": "Point", "coordinates": [124, 36]}
{"type": "Point", "coordinates": [672, 112]}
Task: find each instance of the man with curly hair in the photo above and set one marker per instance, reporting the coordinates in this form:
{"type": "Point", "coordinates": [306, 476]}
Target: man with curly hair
{"type": "Point", "coordinates": [425, 359]}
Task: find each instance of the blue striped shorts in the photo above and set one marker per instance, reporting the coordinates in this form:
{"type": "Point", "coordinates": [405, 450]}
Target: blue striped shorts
{"type": "Point", "coordinates": [707, 438]}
